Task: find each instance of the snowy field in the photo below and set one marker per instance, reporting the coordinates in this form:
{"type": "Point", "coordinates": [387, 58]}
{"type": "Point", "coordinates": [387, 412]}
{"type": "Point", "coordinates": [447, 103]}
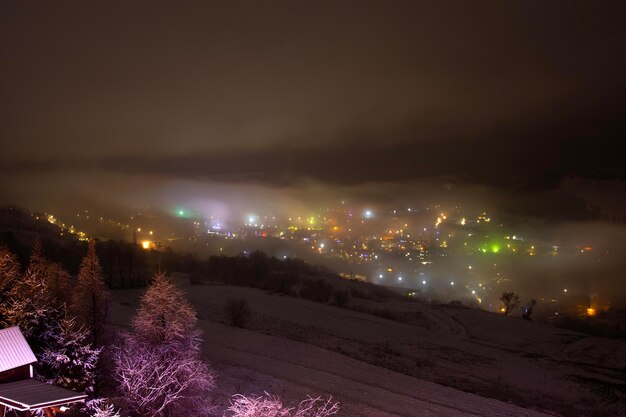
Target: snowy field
{"type": "Point", "coordinates": [455, 362]}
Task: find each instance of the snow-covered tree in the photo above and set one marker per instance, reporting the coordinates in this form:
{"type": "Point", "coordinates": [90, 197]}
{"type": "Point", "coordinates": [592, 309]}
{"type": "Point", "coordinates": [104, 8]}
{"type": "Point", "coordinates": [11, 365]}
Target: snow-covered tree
{"type": "Point", "coordinates": [9, 273]}
{"type": "Point", "coordinates": [28, 306]}
{"type": "Point", "coordinates": [59, 284]}
{"type": "Point", "coordinates": [165, 315]}
{"type": "Point", "coordinates": [272, 406]}
{"type": "Point", "coordinates": [26, 300]}
{"type": "Point", "coordinates": [158, 365]}
{"type": "Point", "coordinates": [37, 263]}
{"type": "Point", "coordinates": [69, 360]}
{"type": "Point", "coordinates": [99, 407]}
{"type": "Point", "coordinates": [57, 279]}
{"type": "Point", "coordinates": [253, 406]}
{"type": "Point", "coordinates": [9, 269]}
{"type": "Point", "coordinates": [91, 297]}
{"type": "Point", "coordinates": [105, 411]}
{"type": "Point", "coordinates": [158, 380]}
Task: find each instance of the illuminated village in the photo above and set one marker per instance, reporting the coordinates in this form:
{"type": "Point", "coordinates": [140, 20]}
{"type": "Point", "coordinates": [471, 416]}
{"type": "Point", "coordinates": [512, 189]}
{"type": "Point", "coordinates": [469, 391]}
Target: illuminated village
{"type": "Point", "coordinates": [431, 251]}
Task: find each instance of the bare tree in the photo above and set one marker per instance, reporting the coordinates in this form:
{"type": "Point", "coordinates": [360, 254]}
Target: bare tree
{"type": "Point", "coordinates": [510, 301]}
{"type": "Point", "coordinates": [272, 406]}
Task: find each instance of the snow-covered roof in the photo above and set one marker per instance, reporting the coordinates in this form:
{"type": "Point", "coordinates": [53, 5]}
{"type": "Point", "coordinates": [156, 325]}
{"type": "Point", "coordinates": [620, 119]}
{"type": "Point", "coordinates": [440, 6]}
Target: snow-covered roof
{"type": "Point", "coordinates": [14, 349]}
{"type": "Point", "coordinates": [30, 394]}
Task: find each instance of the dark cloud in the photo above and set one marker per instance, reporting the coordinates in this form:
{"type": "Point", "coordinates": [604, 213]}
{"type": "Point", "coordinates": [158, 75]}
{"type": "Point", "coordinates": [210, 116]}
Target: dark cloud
{"type": "Point", "coordinates": [505, 157]}
{"type": "Point", "coordinates": [516, 95]}
{"type": "Point", "coordinates": [104, 79]}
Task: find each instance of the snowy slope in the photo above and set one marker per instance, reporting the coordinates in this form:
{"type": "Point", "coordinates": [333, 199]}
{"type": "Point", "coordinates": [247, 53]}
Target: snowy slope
{"type": "Point", "coordinates": [380, 367]}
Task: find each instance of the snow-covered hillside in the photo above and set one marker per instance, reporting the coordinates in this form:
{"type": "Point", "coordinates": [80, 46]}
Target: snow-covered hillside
{"type": "Point", "coordinates": [459, 362]}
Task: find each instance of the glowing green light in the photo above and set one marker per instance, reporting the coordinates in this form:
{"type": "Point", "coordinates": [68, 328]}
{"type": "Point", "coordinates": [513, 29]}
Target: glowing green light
{"type": "Point", "coordinates": [484, 250]}
{"type": "Point", "coordinates": [495, 248]}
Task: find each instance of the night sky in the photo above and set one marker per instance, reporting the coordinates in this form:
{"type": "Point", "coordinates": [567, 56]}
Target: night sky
{"type": "Point", "coordinates": [107, 98]}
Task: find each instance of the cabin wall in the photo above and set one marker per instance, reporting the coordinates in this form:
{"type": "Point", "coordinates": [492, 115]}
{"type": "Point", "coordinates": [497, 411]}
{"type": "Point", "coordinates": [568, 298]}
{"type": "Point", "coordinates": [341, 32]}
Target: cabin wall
{"type": "Point", "coordinates": [15, 374]}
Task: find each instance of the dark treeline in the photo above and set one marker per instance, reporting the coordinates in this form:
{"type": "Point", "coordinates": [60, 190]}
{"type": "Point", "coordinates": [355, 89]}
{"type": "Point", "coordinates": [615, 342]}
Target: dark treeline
{"type": "Point", "coordinates": [128, 265]}
{"type": "Point", "coordinates": [20, 228]}
{"type": "Point", "coordinates": [254, 270]}
{"type": "Point", "coordinates": [124, 264]}
{"type": "Point", "coordinates": [290, 276]}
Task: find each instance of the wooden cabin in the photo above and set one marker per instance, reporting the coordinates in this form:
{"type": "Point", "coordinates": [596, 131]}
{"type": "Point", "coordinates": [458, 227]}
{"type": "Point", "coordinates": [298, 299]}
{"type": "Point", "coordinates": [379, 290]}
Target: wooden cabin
{"type": "Point", "coordinates": [20, 394]}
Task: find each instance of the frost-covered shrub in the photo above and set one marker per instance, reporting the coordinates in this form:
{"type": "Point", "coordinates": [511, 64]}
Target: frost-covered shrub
{"type": "Point", "coordinates": [99, 407]}
{"type": "Point", "coordinates": [272, 406]}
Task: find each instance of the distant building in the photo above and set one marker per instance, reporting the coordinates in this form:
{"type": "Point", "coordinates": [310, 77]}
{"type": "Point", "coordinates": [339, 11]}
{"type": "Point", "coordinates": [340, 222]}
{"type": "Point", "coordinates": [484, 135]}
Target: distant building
{"type": "Point", "coordinates": [20, 394]}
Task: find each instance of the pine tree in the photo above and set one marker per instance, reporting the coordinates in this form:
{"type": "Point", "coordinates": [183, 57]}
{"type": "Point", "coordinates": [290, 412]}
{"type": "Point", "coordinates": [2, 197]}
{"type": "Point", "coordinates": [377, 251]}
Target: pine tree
{"type": "Point", "coordinates": [59, 284]}
{"type": "Point", "coordinates": [37, 263]}
{"type": "Point", "coordinates": [28, 306]}
{"type": "Point", "coordinates": [91, 296]}
{"type": "Point", "coordinates": [57, 279]}
{"type": "Point", "coordinates": [69, 360]}
{"type": "Point", "coordinates": [158, 365]}
{"type": "Point", "coordinates": [27, 303]}
{"type": "Point", "coordinates": [9, 273]}
{"type": "Point", "coordinates": [165, 315]}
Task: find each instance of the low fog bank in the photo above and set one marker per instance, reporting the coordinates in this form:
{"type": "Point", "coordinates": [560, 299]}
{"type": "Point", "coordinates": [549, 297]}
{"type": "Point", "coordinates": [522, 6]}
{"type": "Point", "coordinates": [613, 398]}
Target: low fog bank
{"type": "Point", "coordinates": [584, 219]}
{"type": "Point", "coordinates": [64, 190]}
{"type": "Point", "coordinates": [579, 264]}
